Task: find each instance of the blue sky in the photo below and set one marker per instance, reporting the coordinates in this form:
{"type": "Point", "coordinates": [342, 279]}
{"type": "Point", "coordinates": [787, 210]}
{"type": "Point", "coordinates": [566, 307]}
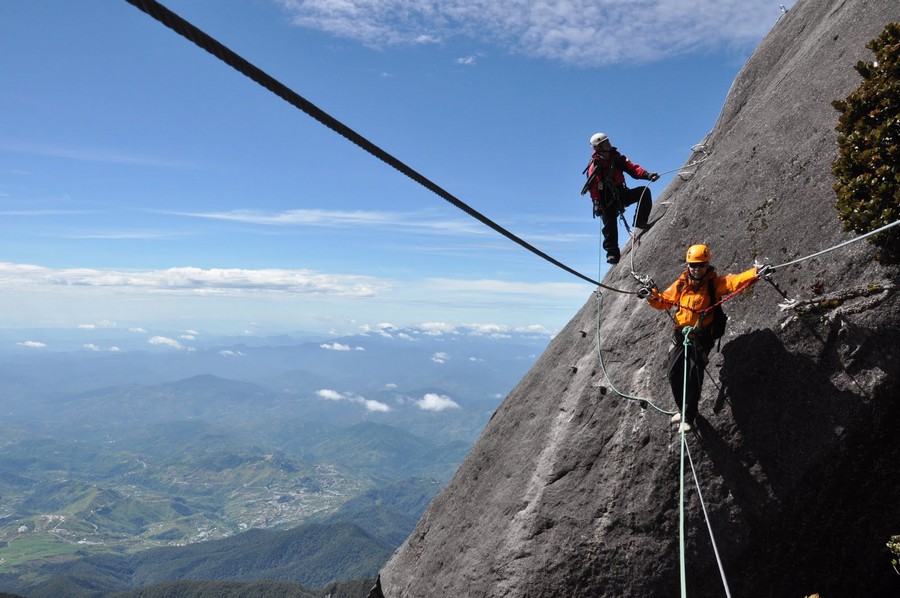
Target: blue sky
{"type": "Point", "coordinates": [146, 185]}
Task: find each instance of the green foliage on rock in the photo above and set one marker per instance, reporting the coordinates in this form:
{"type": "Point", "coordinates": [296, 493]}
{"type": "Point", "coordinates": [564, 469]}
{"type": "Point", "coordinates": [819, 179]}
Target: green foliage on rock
{"type": "Point", "coordinates": [868, 167]}
{"type": "Point", "coordinates": [894, 547]}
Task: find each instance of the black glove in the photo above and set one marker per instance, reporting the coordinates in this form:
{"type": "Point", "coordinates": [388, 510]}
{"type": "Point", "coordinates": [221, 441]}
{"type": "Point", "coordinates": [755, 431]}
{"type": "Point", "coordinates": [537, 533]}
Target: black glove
{"type": "Point", "coordinates": [652, 177]}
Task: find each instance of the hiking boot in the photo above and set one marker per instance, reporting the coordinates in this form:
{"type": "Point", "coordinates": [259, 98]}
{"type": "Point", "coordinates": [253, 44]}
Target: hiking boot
{"type": "Point", "coordinates": [644, 226]}
{"type": "Point", "coordinates": [612, 259]}
{"type": "Point", "coordinates": [685, 427]}
{"type": "Point", "coordinates": [676, 419]}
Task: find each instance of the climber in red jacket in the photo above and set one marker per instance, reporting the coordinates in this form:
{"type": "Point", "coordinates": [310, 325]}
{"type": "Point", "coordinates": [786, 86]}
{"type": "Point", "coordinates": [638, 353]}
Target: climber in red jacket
{"type": "Point", "coordinates": [610, 195]}
{"type": "Point", "coordinates": [698, 288]}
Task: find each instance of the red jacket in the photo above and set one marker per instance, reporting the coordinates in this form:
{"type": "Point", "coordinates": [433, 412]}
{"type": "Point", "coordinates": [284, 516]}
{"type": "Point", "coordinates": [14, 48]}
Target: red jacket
{"type": "Point", "coordinates": [611, 171]}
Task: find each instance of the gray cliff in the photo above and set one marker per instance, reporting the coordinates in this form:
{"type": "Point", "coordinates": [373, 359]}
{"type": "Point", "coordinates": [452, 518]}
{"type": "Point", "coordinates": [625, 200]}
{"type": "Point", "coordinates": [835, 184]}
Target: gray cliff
{"type": "Point", "coordinates": [570, 492]}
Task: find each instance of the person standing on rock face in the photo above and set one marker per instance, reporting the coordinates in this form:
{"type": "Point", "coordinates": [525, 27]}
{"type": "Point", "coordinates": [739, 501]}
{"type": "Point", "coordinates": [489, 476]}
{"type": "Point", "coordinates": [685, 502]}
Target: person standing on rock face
{"type": "Point", "coordinates": [690, 294]}
{"type": "Point", "coordinates": [610, 195]}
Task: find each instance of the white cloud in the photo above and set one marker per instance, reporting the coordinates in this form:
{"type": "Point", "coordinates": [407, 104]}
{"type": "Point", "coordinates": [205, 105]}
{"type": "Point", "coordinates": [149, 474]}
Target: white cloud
{"type": "Point", "coordinates": [97, 348]}
{"type": "Point", "coordinates": [489, 330]}
{"type": "Point", "coordinates": [119, 235]}
{"type": "Point", "coordinates": [579, 32]}
{"type": "Point", "coordinates": [385, 329]}
{"type": "Point", "coordinates": [165, 341]}
{"type": "Point", "coordinates": [378, 406]}
{"type": "Point", "coordinates": [466, 60]}
{"type": "Point", "coordinates": [536, 329]}
{"type": "Point", "coordinates": [230, 353]}
{"type": "Point", "coordinates": [225, 282]}
{"type": "Point", "coordinates": [426, 222]}
{"type": "Point", "coordinates": [335, 346]}
{"type": "Point", "coordinates": [368, 404]}
{"type": "Point", "coordinates": [137, 330]}
{"type": "Point", "coordinates": [91, 155]}
{"type": "Point", "coordinates": [440, 357]}
{"type": "Point", "coordinates": [340, 347]}
{"type": "Point", "coordinates": [32, 344]}
{"type": "Point", "coordinates": [502, 287]}
{"type": "Point", "coordinates": [492, 330]}
{"type": "Point", "coordinates": [436, 402]}
{"type": "Point", "coordinates": [437, 328]}
{"type": "Point", "coordinates": [331, 395]}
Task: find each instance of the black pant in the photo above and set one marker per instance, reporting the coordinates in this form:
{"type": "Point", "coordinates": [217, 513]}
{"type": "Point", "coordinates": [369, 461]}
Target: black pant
{"type": "Point", "coordinates": [696, 362]}
{"type": "Point", "coordinates": [612, 203]}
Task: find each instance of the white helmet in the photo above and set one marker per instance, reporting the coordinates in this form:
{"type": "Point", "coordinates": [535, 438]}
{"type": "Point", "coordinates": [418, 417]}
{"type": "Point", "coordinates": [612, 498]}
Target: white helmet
{"type": "Point", "coordinates": [598, 138]}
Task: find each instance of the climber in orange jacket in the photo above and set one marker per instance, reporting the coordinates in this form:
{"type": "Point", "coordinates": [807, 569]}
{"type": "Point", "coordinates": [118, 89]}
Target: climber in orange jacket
{"type": "Point", "coordinates": [610, 195]}
{"type": "Point", "coordinates": [691, 294]}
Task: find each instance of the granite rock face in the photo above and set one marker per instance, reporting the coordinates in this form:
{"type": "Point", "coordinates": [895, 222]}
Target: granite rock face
{"type": "Point", "coordinates": [571, 492]}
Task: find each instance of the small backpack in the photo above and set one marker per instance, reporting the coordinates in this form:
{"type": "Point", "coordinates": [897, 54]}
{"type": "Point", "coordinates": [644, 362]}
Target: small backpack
{"type": "Point", "coordinates": [720, 319]}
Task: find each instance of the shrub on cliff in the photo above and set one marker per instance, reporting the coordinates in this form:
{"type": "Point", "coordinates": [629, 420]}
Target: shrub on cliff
{"type": "Point", "coordinates": [894, 547]}
{"type": "Point", "coordinates": [868, 167]}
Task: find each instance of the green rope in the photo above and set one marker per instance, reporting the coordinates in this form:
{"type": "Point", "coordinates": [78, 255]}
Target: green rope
{"type": "Point", "coordinates": [712, 537]}
{"type": "Point", "coordinates": [687, 343]}
{"type": "Point", "coordinates": [609, 382]}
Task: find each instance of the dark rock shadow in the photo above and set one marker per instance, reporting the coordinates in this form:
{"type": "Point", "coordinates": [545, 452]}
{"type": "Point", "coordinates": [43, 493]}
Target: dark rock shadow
{"type": "Point", "coordinates": [804, 458]}
{"type": "Point", "coordinates": [786, 407]}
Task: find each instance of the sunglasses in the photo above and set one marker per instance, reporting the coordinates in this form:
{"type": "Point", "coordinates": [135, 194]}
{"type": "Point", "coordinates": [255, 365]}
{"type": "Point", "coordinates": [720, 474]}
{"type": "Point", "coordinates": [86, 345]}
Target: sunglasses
{"type": "Point", "coordinates": [698, 266]}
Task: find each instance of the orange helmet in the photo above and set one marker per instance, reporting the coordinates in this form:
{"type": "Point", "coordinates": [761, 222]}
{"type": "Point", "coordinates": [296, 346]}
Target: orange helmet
{"type": "Point", "coordinates": [697, 254]}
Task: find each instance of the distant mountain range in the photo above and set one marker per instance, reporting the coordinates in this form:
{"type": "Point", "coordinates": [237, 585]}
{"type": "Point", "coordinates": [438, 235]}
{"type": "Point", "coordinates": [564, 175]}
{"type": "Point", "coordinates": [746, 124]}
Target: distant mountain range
{"type": "Point", "coordinates": [348, 545]}
{"type": "Point", "coordinates": [304, 463]}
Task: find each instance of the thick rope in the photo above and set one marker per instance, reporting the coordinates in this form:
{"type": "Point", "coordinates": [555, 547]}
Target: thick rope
{"type": "Point", "coordinates": [204, 41]}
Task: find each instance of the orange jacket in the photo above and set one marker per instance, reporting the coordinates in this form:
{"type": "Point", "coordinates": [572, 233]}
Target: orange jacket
{"type": "Point", "coordinates": [692, 297]}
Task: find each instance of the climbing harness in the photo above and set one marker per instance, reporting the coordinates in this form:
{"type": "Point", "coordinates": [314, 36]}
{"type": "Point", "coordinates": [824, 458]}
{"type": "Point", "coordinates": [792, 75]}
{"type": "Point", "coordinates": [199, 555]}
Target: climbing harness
{"type": "Point", "coordinates": [719, 318]}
